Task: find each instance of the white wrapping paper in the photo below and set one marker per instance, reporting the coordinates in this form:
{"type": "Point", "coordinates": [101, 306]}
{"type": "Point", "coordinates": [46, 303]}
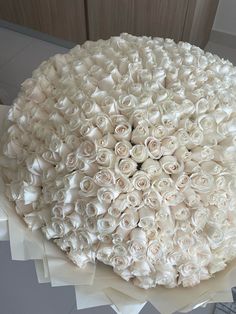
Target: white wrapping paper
{"type": "Point", "coordinates": [95, 286]}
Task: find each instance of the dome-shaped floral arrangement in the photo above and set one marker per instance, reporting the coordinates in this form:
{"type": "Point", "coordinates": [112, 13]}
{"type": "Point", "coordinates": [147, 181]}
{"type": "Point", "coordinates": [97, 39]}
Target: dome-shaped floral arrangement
{"type": "Point", "coordinates": [123, 151]}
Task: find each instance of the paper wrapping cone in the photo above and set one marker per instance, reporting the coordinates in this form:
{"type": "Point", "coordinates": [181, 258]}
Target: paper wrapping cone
{"type": "Point", "coordinates": [99, 285]}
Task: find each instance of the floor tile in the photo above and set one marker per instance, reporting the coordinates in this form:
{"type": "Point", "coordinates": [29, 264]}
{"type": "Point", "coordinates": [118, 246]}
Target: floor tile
{"type": "Point", "coordinates": [222, 51]}
{"type": "Point", "coordinates": [11, 44]}
{"type": "Point", "coordinates": [22, 65]}
{"type": "Point", "coordinates": [7, 93]}
{"type": "Point", "coordinates": [20, 293]}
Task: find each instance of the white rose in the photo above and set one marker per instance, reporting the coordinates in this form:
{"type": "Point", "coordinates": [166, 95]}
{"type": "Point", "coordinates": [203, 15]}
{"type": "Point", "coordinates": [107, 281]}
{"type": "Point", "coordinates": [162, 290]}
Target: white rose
{"type": "Point", "coordinates": [58, 228]}
{"type": "Point", "coordinates": [31, 193]}
{"type": "Point", "coordinates": [122, 149]}
{"type": "Point", "coordinates": [123, 131]}
{"type": "Point", "coordinates": [106, 224]}
{"type": "Point", "coordinates": [189, 274]}
{"type": "Point", "coordinates": [104, 177]}
{"type": "Point", "coordinates": [141, 181]}
{"type": "Point", "coordinates": [105, 157]}
{"type": "Point", "coordinates": [129, 219]}
{"type": "Point", "coordinates": [204, 153]}
{"type": "Point", "coordinates": [107, 141]}
{"type": "Point", "coordinates": [72, 161]}
{"type": "Point", "coordinates": [158, 132]}
{"type": "Point", "coordinates": [146, 217]}
{"type": "Point", "coordinates": [87, 167]}
{"type": "Point", "coordinates": [120, 262]}
{"type": "Point", "coordinates": [103, 122]}
{"type": "Point", "coordinates": [140, 133]}
{"type": "Point", "coordinates": [173, 197]}
{"type": "Point", "coordinates": [192, 199]}
{"type": "Point", "coordinates": [61, 210]}
{"type": "Point", "coordinates": [180, 212]}
{"type": "Point", "coordinates": [152, 199]}
{"type": "Point", "coordinates": [154, 251]}
{"type": "Point", "coordinates": [207, 123]}
{"type": "Point", "coordinates": [182, 182]}
{"type": "Point", "coordinates": [87, 149]}
{"type": "Point", "coordinates": [182, 153]}
{"type": "Point", "coordinates": [151, 167]}
{"type": "Point", "coordinates": [163, 183]}
{"type": "Point", "coordinates": [137, 249]}
{"type": "Point", "coordinates": [87, 187]}
{"type": "Point", "coordinates": [107, 195]}
{"type": "Point", "coordinates": [127, 166]}
{"type": "Point", "coordinates": [109, 105]}
{"type": "Point", "coordinates": [184, 240]}
{"type": "Point", "coordinates": [137, 116]}
{"type": "Point", "coordinates": [134, 198]}
{"type": "Point", "coordinates": [214, 234]}
{"type": "Point", "coordinates": [104, 253]}
{"type": "Point", "coordinates": [124, 185]}
{"type": "Point", "coordinates": [202, 182]}
{"type": "Point", "coordinates": [154, 147]}
{"type": "Point", "coordinates": [36, 164]}
{"type": "Point", "coordinates": [126, 104]}
{"type": "Point", "coordinates": [168, 145]}
{"type": "Point", "coordinates": [88, 130]}
{"type": "Point", "coordinates": [95, 208]}
{"type": "Point", "coordinates": [35, 220]}
{"type": "Point", "coordinates": [51, 157]}
{"type": "Point", "coordinates": [90, 108]}
{"type": "Point", "coordinates": [170, 165]}
{"type": "Point", "coordinates": [139, 153]}
{"type": "Point", "coordinates": [211, 167]}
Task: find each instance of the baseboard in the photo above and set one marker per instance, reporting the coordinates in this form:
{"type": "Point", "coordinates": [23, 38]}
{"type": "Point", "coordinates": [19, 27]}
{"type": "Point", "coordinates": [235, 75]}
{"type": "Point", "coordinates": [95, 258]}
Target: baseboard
{"type": "Point", "coordinates": [33, 33]}
{"type": "Point", "coordinates": [223, 38]}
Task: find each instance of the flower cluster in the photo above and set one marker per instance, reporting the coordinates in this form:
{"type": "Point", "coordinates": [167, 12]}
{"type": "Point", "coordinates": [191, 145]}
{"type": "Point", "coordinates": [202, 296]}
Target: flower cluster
{"type": "Point", "coordinates": [124, 151]}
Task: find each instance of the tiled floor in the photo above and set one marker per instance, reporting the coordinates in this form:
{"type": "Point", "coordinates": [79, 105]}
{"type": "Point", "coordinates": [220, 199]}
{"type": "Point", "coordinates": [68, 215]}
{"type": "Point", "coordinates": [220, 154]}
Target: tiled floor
{"type": "Point", "coordinates": [19, 291]}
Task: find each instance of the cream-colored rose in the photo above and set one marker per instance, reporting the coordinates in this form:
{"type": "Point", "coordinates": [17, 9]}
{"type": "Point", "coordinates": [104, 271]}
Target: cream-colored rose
{"type": "Point", "coordinates": [109, 105]}
{"type": "Point", "coordinates": [152, 199]}
{"type": "Point", "coordinates": [90, 108]}
{"type": "Point", "coordinates": [104, 177]}
{"type": "Point", "coordinates": [141, 181]}
{"type": "Point", "coordinates": [170, 165]}
{"type": "Point", "coordinates": [180, 212]}
{"type": "Point", "coordinates": [139, 153]}
{"type": "Point", "coordinates": [36, 164]}
{"type": "Point", "coordinates": [173, 197]}
{"type": "Point", "coordinates": [103, 122]}
{"type": "Point", "coordinates": [146, 217]}
{"type": "Point", "coordinates": [106, 224]}
{"type": "Point", "coordinates": [123, 131]}
{"type": "Point", "coordinates": [88, 187]}
{"type": "Point", "coordinates": [140, 133]}
{"type": "Point", "coordinates": [107, 195]}
{"type": "Point", "coordinates": [86, 149]}
{"type": "Point", "coordinates": [151, 167]}
{"type": "Point", "coordinates": [202, 182]}
{"type": "Point", "coordinates": [129, 219]}
{"type": "Point", "coordinates": [88, 130]}
{"type": "Point", "coordinates": [154, 147]}
{"type": "Point", "coordinates": [127, 166]}
{"type": "Point", "coordinates": [158, 132]}
{"type": "Point", "coordinates": [169, 145]}
{"type": "Point", "coordinates": [124, 184]}
{"type": "Point", "coordinates": [107, 141]}
{"type": "Point", "coordinates": [122, 149]}
{"type": "Point", "coordinates": [105, 157]}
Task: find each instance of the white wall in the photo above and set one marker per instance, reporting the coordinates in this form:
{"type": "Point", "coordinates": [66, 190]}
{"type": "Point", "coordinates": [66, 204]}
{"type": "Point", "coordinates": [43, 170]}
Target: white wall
{"type": "Point", "coordinates": [225, 20]}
